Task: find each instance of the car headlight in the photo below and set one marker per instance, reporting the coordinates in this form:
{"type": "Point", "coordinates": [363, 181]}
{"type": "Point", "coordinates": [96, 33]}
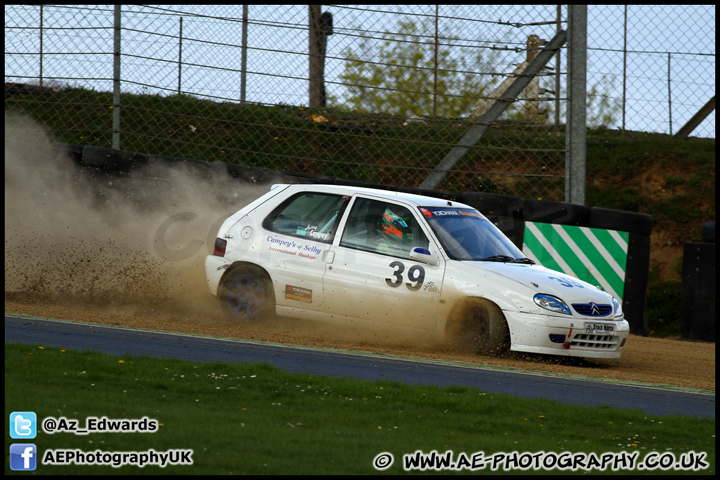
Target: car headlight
{"type": "Point", "coordinates": [554, 304]}
{"type": "Point", "coordinates": [617, 308]}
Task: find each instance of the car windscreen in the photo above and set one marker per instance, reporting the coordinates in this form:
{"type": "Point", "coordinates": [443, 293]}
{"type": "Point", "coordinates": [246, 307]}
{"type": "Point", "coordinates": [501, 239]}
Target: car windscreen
{"type": "Point", "coordinates": [466, 235]}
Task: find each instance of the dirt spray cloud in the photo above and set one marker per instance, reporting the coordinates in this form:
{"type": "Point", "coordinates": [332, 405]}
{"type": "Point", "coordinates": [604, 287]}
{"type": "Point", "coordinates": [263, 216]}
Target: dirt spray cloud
{"type": "Point", "coordinates": [72, 233]}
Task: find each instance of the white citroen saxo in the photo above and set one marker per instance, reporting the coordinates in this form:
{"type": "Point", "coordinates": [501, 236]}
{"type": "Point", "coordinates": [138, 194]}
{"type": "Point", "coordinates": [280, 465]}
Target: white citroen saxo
{"type": "Point", "coordinates": [345, 254]}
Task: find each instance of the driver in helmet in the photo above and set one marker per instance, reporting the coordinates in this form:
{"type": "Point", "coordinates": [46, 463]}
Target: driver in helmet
{"type": "Point", "coordinates": [395, 233]}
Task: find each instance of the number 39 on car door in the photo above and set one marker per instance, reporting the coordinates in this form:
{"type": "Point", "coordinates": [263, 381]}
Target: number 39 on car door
{"type": "Point", "coordinates": [372, 276]}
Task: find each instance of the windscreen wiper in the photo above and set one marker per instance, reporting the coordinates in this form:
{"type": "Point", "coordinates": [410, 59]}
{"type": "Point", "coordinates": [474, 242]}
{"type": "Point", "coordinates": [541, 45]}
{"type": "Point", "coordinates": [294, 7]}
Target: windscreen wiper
{"type": "Point", "coordinates": [498, 258]}
{"type": "Point", "coordinates": [524, 260]}
{"type": "Point", "coordinates": [507, 258]}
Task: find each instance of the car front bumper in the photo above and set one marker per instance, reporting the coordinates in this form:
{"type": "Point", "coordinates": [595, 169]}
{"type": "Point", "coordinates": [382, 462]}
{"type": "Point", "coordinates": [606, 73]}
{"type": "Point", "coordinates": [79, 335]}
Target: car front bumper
{"type": "Point", "coordinates": [555, 335]}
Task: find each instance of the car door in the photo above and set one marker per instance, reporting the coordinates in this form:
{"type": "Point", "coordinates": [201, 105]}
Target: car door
{"type": "Point", "coordinates": [296, 242]}
{"type": "Point", "coordinates": [371, 276]}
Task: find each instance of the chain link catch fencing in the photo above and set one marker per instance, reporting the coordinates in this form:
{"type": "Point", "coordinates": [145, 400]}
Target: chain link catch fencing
{"type": "Point", "coordinates": [380, 94]}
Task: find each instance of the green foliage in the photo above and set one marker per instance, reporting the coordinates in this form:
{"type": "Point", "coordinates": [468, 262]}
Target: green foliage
{"type": "Point", "coordinates": [397, 74]}
{"type": "Point", "coordinates": [627, 199]}
{"type": "Point", "coordinates": [602, 109]}
{"type": "Point", "coordinates": [678, 209]}
{"type": "Point", "coordinates": [673, 180]}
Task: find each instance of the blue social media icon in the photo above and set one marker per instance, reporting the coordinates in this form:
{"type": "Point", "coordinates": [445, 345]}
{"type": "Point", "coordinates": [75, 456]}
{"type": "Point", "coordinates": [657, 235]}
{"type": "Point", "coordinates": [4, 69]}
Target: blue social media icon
{"type": "Point", "coordinates": [23, 425]}
{"type": "Point", "coordinates": [23, 456]}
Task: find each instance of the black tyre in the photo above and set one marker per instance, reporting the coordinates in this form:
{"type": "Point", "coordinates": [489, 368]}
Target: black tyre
{"type": "Point", "coordinates": [479, 326]}
{"type": "Point", "coordinates": [246, 294]}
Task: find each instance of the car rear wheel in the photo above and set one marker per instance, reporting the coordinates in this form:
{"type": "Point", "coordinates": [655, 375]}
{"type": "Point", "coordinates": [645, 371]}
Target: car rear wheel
{"type": "Point", "coordinates": [246, 294]}
{"type": "Point", "coordinates": [479, 326]}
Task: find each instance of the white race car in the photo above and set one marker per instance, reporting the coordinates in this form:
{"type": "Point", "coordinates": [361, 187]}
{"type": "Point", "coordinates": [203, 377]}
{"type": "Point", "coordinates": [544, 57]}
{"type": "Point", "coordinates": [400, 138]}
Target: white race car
{"type": "Point", "coordinates": [347, 254]}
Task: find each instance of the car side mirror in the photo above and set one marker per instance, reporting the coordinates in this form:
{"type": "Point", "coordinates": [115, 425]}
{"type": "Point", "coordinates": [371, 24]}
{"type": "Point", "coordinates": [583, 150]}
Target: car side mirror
{"type": "Point", "coordinates": [423, 255]}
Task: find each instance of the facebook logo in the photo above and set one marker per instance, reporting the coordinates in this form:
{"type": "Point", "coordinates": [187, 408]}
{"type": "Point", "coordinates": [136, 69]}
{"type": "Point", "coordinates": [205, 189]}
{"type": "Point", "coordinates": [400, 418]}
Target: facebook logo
{"type": "Point", "coordinates": [23, 425]}
{"type": "Point", "coordinates": [23, 456]}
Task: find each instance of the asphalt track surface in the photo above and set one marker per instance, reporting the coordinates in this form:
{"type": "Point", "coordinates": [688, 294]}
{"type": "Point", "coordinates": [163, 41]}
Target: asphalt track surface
{"type": "Point", "coordinates": [124, 341]}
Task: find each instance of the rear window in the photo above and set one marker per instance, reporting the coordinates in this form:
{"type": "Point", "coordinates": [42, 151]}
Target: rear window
{"type": "Point", "coordinates": [308, 215]}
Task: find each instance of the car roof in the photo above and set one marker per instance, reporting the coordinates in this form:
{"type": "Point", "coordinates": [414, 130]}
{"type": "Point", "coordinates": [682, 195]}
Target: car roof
{"type": "Point", "coordinates": [417, 200]}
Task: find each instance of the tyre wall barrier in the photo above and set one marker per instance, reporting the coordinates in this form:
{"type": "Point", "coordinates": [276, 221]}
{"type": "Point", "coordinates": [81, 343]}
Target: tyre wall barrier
{"type": "Point", "coordinates": [708, 232]}
{"type": "Point", "coordinates": [698, 287]}
{"type": "Point", "coordinates": [606, 247]}
{"type": "Point", "coordinates": [73, 152]}
{"type": "Point", "coordinates": [543, 211]}
{"type": "Point", "coordinates": [110, 159]}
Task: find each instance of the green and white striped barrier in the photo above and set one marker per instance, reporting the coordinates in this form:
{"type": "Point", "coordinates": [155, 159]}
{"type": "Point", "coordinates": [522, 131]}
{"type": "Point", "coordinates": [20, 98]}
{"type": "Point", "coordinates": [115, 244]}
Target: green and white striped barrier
{"type": "Point", "coordinates": [595, 255]}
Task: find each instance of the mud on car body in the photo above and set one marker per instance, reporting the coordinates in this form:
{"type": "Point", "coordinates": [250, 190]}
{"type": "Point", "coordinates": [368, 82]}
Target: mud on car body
{"type": "Point", "coordinates": [342, 254]}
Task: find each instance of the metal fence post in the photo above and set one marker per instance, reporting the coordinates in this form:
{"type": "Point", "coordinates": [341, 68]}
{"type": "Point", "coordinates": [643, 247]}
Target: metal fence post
{"type": "Point", "coordinates": [315, 83]}
{"type": "Point", "coordinates": [41, 46]}
{"type": "Point", "coordinates": [243, 55]}
{"type": "Point", "coordinates": [624, 89]}
{"type": "Point", "coordinates": [576, 135]}
{"type": "Point", "coordinates": [180, 57]}
{"type": "Point", "coordinates": [435, 62]}
{"type": "Point", "coordinates": [116, 80]}
{"type": "Point", "coordinates": [669, 95]}
{"type": "Point", "coordinates": [557, 69]}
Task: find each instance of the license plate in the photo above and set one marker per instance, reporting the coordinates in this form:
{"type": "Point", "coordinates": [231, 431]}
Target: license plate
{"type": "Point", "coordinates": [599, 329]}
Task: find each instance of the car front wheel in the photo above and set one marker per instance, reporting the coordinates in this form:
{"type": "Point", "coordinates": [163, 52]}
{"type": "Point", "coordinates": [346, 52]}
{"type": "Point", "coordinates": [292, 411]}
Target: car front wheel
{"type": "Point", "coordinates": [246, 294]}
{"type": "Point", "coordinates": [479, 326]}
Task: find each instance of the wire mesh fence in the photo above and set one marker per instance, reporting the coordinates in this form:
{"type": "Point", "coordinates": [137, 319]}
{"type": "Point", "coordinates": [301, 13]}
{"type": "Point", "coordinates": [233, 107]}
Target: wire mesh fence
{"type": "Point", "coordinates": [651, 67]}
{"type": "Point", "coordinates": [375, 93]}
